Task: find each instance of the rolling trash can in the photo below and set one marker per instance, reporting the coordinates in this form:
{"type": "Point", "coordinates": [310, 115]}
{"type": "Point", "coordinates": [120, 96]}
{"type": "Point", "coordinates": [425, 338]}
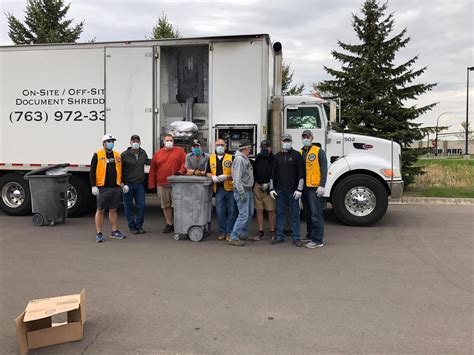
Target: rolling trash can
{"type": "Point", "coordinates": [192, 196]}
{"type": "Point", "coordinates": [48, 189]}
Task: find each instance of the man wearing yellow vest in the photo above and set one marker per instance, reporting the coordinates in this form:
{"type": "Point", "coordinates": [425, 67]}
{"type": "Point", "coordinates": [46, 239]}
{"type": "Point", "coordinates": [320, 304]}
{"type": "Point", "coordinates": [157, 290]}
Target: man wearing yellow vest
{"type": "Point", "coordinates": [106, 181]}
{"type": "Point", "coordinates": [219, 169]}
{"type": "Point", "coordinates": [313, 192]}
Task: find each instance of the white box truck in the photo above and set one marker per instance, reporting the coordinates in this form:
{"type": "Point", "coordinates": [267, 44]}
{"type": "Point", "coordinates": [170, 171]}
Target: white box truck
{"type": "Point", "coordinates": [58, 100]}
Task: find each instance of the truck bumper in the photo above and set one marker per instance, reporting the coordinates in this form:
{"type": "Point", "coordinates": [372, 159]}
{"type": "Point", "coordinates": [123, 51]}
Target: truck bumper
{"type": "Point", "coordinates": [396, 189]}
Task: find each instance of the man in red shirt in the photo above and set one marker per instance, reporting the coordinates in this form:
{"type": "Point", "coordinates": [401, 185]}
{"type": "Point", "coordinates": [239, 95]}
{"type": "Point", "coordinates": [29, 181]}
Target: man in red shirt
{"type": "Point", "coordinates": [166, 162]}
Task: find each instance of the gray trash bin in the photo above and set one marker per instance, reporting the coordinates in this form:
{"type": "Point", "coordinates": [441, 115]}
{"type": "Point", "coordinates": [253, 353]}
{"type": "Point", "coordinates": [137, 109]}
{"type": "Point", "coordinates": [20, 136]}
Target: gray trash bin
{"type": "Point", "coordinates": [192, 196]}
{"type": "Point", "coordinates": [48, 195]}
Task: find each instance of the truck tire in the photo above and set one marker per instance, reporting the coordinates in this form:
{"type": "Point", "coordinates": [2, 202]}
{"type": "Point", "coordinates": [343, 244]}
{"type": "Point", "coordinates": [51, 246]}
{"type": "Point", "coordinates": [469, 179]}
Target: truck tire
{"type": "Point", "coordinates": [15, 199]}
{"type": "Point", "coordinates": [78, 196]}
{"type": "Point", "coordinates": [359, 200]}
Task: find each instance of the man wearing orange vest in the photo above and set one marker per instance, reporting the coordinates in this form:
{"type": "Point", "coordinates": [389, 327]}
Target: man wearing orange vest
{"type": "Point", "coordinates": [106, 181]}
{"type": "Point", "coordinates": [313, 192]}
{"type": "Point", "coordinates": [219, 169]}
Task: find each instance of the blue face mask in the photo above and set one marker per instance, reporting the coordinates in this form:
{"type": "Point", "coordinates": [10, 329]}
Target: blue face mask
{"type": "Point", "coordinates": [264, 152]}
{"type": "Point", "coordinates": [196, 151]}
{"type": "Point", "coordinates": [220, 150]}
{"type": "Point", "coordinates": [109, 145]}
{"type": "Point", "coordinates": [306, 142]}
{"type": "Point", "coordinates": [286, 145]}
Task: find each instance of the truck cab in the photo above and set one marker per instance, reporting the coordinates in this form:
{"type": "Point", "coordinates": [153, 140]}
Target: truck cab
{"type": "Point", "coordinates": [363, 171]}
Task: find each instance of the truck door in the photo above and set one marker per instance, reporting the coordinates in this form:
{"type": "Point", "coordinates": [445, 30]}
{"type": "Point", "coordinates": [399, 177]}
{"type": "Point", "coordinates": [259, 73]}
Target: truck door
{"type": "Point", "coordinates": [129, 95]}
{"type": "Point", "coordinates": [299, 118]}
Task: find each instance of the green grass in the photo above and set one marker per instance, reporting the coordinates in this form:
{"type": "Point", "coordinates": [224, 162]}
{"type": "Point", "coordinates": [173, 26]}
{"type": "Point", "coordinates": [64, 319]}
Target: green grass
{"type": "Point", "coordinates": [444, 177]}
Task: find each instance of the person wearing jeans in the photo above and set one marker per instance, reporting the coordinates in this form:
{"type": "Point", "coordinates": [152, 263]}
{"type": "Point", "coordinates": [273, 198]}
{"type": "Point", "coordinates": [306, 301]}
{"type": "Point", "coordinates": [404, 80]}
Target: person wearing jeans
{"type": "Point", "coordinates": [286, 186]}
{"type": "Point", "coordinates": [314, 188]}
{"type": "Point", "coordinates": [134, 159]}
{"type": "Point", "coordinates": [242, 176]}
{"type": "Point", "coordinates": [219, 169]}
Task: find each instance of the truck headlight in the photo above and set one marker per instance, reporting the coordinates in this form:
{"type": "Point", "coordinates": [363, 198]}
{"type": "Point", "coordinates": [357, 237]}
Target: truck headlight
{"type": "Point", "coordinates": [391, 173]}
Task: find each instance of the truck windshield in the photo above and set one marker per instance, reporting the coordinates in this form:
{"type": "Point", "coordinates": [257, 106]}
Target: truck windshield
{"type": "Point", "coordinates": [303, 118]}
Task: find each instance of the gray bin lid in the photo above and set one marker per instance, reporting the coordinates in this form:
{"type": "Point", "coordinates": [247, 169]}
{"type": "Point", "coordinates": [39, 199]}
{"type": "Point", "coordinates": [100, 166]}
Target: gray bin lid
{"type": "Point", "coordinates": [184, 179]}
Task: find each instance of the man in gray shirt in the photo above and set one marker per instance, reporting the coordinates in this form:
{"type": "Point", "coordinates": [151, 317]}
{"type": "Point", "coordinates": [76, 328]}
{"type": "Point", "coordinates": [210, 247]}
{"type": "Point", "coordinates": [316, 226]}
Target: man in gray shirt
{"type": "Point", "coordinates": [242, 176]}
{"type": "Point", "coordinates": [197, 160]}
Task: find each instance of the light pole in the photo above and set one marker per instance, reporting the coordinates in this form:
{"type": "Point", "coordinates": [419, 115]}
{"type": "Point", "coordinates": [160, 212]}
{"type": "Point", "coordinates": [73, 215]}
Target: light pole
{"type": "Point", "coordinates": [436, 139]}
{"type": "Point", "coordinates": [466, 149]}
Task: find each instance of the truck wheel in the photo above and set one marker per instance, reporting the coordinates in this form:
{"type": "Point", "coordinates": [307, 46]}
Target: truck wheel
{"type": "Point", "coordinates": [78, 196]}
{"type": "Point", "coordinates": [359, 200]}
{"type": "Point", "coordinates": [15, 195]}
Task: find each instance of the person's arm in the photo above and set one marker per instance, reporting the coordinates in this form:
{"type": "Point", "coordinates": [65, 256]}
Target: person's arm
{"type": "Point", "coordinates": [187, 164]}
{"type": "Point", "coordinates": [152, 173]}
{"type": "Point", "coordinates": [182, 159]}
{"type": "Point", "coordinates": [237, 171]}
{"type": "Point", "coordinates": [323, 167]}
{"type": "Point", "coordinates": [300, 171]}
{"type": "Point", "coordinates": [124, 175]}
{"type": "Point", "coordinates": [92, 176]}
{"type": "Point", "coordinates": [208, 170]}
{"type": "Point", "coordinates": [147, 160]}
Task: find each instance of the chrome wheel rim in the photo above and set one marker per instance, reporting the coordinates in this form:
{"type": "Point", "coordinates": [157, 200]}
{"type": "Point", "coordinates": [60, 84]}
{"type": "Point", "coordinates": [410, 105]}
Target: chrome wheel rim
{"type": "Point", "coordinates": [71, 196]}
{"type": "Point", "coordinates": [13, 194]}
{"type": "Point", "coordinates": [360, 201]}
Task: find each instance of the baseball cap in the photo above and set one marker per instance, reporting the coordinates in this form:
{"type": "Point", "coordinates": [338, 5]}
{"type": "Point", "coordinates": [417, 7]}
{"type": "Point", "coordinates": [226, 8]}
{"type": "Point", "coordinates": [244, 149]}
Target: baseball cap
{"type": "Point", "coordinates": [286, 137]}
{"type": "Point", "coordinates": [244, 143]}
{"type": "Point", "coordinates": [265, 143]}
{"type": "Point", "coordinates": [108, 137]}
{"type": "Point", "coordinates": [307, 132]}
{"type": "Point", "coordinates": [135, 137]}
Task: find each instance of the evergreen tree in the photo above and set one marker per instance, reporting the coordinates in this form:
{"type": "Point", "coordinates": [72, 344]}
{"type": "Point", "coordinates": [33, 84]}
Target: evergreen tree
{"type": "Point", "coordinates": [374, 89]}
{"type": "Point", "coordinates": [286, 81]}
{"type": "Point", "coordinates": [164, 29]}
{"type": "Point", "coordinates": [44, 23]}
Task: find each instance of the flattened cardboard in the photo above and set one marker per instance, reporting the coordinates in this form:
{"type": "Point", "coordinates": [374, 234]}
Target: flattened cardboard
{"type": "Point", "coordinates": [34, 326]}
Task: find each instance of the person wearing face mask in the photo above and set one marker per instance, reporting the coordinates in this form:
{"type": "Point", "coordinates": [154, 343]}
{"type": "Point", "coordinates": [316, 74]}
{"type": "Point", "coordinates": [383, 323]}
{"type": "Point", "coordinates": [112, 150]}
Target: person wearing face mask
{"type": "Point", "coordinates": [313, 193]}
{"type": "Point", "coordinates": [262, 171]}
{"type": "Point", "coordinates": [219, 170]}
{"type": "Point", "coordinates": [134, 160]}
{"type": "Point", "coordinates": [196, 161]}
{"type": "Point", "coordinates": [242, 177]}
{"type": "Point", "coordinates": [106, 181]}
{"type": "Point", "coordinates": [286, 186]}
{"type": "Point", "coordinates": [167, 161]}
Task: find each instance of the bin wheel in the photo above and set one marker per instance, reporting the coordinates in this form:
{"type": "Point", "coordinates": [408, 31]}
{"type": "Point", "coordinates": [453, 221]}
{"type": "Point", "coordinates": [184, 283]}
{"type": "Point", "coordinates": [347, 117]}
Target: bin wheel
{"type": "Point", "coordinates": [195, 233]}
{"type": "Point", "coordinates": [177, 236]}
{"type": "Point", "coordinates": [38, 220]}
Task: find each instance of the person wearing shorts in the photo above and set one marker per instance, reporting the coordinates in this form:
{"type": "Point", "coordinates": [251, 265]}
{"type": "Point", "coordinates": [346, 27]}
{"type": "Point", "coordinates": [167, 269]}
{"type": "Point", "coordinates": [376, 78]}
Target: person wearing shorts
{"type": "Point", "coordinates": [262, 171]}
{"type": "Point", "coordinates": [106, 181]}
{"type": "Point", "coordinates": [167, 161]}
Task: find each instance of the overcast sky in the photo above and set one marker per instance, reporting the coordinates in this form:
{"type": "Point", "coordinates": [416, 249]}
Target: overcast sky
{"type": "Point", "coordinates": [441, 34]}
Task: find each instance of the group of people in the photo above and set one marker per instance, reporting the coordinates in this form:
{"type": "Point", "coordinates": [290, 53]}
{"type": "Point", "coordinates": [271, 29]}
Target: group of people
{"type": "Point", "coordinates": [275, 183]}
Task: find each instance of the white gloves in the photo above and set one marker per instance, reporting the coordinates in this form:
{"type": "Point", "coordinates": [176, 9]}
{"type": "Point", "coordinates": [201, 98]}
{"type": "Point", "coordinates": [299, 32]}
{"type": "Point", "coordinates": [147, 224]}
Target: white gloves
{"type": "Point", "coordinates": [95, 190]}
{"type": "Point", "coordinates": [297, 194]}
{"type": "Point", "coordinates": [215, 179]}
{"type": "Point", "coordinates": [320, 191]}
{"type": "Point", "coordinates": [273, 194]}
{"type": "Point", "coordinates": [125, 189]}
{"type": "Point", "coordinates": [222, 178]}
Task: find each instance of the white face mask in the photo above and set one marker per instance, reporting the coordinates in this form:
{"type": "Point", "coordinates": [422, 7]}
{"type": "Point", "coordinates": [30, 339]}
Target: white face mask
{"type": "Point", "coordinates": [135, 146]}
{"type": "Point", "coordinates": [286, 145]}
{"type": "Point", "coordinates": [168, 144]}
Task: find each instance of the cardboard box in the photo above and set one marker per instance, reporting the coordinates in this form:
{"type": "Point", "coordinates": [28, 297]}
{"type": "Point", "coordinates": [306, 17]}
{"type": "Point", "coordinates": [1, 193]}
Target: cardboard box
{"type": "Point", "coordinates": [35, 327]}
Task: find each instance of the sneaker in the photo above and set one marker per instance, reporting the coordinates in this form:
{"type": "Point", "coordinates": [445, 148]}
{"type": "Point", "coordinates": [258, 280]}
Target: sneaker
{"type": "Point", "coordinates": [277, 241]}
{"type": "Point", "coordinates": [306, 238]}
{"type": "Point", "coordinates": [272, 235]}
{"type": "Point", "coordinates": [221, 237]}
{"type": "Point", "coordinates": [117, 235]}
{"type": "Point", "coordinates": [244, 237]}
{"type": "Point", "coordinates": [298, 243]}
{"type": "Point", "coordinates": [134, 231]}
{"type": "Point", "coordinates": [227, 237]}
{"type": "Point", "coordinates": [313, 245]}
{"type": "Point", "coordinates": [141, 231]}
{"type": "Point", "coordinates": [99, 238]}
{"type": "Point", "coordinates": [236, 242]}
{"type": "Point", "coordinates": [259, 236]}
{"type": "Point", "coordinates": [168, 228]}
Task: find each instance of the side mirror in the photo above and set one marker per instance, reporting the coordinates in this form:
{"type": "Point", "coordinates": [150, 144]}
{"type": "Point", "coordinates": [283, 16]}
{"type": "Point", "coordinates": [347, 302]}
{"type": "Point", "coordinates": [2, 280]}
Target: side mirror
{"type": "Point", "coordinates": [332, 111]}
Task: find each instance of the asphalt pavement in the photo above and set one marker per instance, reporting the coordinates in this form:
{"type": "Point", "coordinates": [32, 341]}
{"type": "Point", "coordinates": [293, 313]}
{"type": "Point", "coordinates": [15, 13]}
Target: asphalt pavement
{"type": "Point", "coordinates": [402, 286]}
